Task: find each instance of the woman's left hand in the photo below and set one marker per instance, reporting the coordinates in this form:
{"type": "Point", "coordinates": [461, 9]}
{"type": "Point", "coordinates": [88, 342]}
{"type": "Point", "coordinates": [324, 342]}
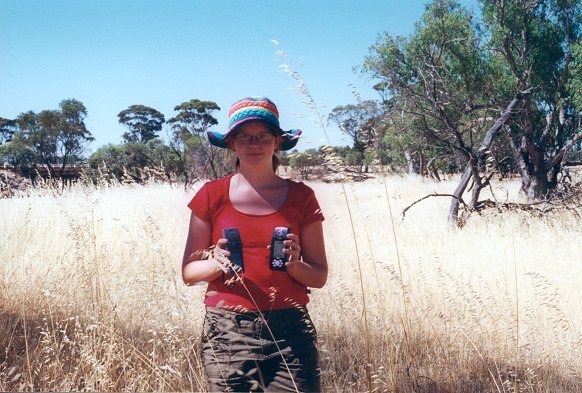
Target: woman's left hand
{"type": "Point", "coordinates": [293, 249]}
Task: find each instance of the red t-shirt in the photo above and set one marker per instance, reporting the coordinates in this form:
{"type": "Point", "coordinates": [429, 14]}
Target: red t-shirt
{"type": "Point", "coordinates": [261, 288]}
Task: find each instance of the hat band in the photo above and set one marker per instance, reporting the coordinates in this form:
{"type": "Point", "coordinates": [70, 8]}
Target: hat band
{"type": "Point", "coordinates": [254, 113]}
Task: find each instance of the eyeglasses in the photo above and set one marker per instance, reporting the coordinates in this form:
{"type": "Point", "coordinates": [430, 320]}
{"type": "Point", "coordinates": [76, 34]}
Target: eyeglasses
{"type": "Point", "coordinates": [262, 139]}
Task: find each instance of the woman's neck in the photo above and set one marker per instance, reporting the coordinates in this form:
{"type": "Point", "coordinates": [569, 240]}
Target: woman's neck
{"type": "Point", "coordinates": [258, 177]}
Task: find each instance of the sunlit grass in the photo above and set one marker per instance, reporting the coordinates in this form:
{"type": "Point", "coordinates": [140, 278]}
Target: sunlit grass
{"type": "Point", "coordinates": [91, 296]}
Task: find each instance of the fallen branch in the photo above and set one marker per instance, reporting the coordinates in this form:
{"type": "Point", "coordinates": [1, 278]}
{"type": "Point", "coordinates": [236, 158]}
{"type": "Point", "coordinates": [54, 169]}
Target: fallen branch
{"type": "Point", "coordinates": [546, 205]}
{"type": "Point", "coordinates": [434, 194]}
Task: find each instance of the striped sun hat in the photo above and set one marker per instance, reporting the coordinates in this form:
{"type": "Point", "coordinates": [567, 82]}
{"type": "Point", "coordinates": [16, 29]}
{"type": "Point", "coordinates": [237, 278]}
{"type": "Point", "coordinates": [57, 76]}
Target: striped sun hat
{"type": "Point", "coordinates": [254, 108]}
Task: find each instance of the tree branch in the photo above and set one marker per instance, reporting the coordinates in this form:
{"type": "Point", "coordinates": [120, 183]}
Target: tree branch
{"type": "Point", "coordinates": [560, 154]}
{"type": "Point", "coordinates": [434, 194]}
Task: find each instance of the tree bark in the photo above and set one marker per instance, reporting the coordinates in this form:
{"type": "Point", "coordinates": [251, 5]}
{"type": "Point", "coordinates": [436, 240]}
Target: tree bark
{"type": "Point", "coordinates": [408, 155]}
{"type": "Point", "coordinates": [539, 175]}
{"type": "Point", "coordinates": [461, 187]}
{"type": "Point", "coordinates": [472, 169]}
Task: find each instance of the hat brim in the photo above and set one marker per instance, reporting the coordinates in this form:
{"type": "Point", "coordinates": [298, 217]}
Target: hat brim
{"type": "Point", "coordinates": [290, 138]}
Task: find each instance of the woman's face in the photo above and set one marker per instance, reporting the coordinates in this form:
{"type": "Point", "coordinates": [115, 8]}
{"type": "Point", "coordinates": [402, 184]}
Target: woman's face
{"type": "Point", "coordinates": [255, 142]}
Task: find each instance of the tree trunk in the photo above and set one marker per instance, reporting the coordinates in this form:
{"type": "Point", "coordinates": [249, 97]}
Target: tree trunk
{"type": "Point", "coordinates": [539, 176]}
{"type": "Point", "coordinates": [458, 194]}
{"type": "Point", "coordinates": [408, 155]}
{"type": "Point", "coordinates": [212, 161]}
{"type": "Point", "coordinates": [472, 168]}
{"type": "Point", "coordinates": [536, 186]}
{"type": "Point", "coordinates": [422, 169]}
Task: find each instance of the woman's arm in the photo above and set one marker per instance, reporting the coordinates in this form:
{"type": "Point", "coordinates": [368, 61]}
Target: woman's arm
{"type": "Point", "coordinates": [197, 264]}
{"type": "Point", "coordinates": [311, 270]}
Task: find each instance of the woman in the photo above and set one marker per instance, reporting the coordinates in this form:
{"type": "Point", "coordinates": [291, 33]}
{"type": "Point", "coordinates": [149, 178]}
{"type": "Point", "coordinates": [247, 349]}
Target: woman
{"type": "Point", "coordinates": [257, 332]}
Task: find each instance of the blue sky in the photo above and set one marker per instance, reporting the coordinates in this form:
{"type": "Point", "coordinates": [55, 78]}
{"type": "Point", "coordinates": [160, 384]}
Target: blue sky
{"type": "Point", "coordinates": [112, 54]}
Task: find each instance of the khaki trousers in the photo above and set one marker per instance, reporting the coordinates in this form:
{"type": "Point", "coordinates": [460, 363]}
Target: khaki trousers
{"type": "Point", "coordinates": [272, 351]}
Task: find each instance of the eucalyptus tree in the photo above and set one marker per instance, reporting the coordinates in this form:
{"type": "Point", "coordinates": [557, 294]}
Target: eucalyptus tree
{"type": "Point", "coordinates": [536, 45]}
{"type": "Point", "coordinates": [73, 133]}
{"type": "Point", "coordinates": [52, 138]}
{"type": "Point", "coordinates": [143, 123]}
{"type": "Point", "coordinates": [360, 123]}
{"type": "Point", "coordinates": [461, 84]}
{"type": "Point", "coordinates": [188, 143]}
{"type": "Point", "coordinates": [436, 82]}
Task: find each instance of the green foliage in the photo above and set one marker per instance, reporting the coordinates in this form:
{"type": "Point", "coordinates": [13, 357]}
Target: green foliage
{"type": "Point", "coordinates": [194, 155]}
{"type": "Point", "coordinates": [143, 123]}
{"type": "Point", "coordinates": [436, 83]}
{"type": "Point", "coordinates": [446, 84]}
{"type": "Point", "coordinates": [361, 123]}
{"type": "Point", "coordinates": [575, 83]}
{"type": "Point", "coordinates": [109, 159]}
{"type": "Point", "coordinates": [51, 137]}
{"type": "Point", "coordinates": [539, 44]}
{"type": "Point", "coordinates": [354, 158]}
{"type": "Point", "coordinates": [186, 157]}
{"type": "Point", "coordinates": [358, 122]}
{"type": "Point", "coordinates": [7, 129]}
{"type": "Point", "coordinates": [533, 37]}
{"type": "Point", "coordinates": [132, 161]}
{"type": "Point", "coordinates": [73, 133]}
{"type": "Point", "coordinates": [306, 163]}
{"type": "Point", "coordinates": [194, 116]}
{"type": "Point", "coordinates": [17, 153]}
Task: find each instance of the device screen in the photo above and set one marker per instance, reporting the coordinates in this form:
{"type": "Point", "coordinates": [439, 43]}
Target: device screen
{"type": "Point", "coordinates": [278, 248]}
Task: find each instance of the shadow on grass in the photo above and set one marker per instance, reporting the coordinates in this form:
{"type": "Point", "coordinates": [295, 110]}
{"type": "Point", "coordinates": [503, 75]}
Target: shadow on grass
{"type": "Point", "coordinates": [422, 366]}
{"type": "Point", "coordinates": [58, 352]}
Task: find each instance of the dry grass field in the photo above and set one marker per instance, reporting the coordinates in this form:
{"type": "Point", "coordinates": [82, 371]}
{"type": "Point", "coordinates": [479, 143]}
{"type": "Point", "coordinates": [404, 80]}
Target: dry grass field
{"type": "Point", "coordinates": [91, 297]}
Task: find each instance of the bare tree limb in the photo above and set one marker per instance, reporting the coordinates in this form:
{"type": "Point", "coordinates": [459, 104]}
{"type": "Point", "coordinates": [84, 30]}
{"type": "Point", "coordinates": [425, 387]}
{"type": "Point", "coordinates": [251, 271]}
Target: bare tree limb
{"type": "Point", "coordinates": [434, 194]}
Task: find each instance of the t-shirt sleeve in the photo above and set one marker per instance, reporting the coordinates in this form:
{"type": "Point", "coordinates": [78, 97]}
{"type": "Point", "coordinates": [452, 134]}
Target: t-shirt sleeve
{"type": "Point", "coordinates": [312, 212]}
{"type": "Point", "coordinates": [200, 204]}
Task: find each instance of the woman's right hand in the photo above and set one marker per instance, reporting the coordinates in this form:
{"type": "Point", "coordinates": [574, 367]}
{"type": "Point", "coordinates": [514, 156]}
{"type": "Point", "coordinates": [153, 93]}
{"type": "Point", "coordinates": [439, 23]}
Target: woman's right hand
{"type": "Point", "coordinates": [203, 261]}
{"type": "Point", "coordinates": [220, 256]}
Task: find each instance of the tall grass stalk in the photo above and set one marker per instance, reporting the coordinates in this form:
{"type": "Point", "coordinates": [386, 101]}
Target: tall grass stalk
{"type": "Point", "coordinates": [498, 387]}
{"type": "Point", "coordinates": [368, 237]}
{"type": "Point", "coordinates": [309, 101]}
{"type": "Point", "coordinates": [515, 382]}
{"type": "Point", "coordinates": [399, 263]}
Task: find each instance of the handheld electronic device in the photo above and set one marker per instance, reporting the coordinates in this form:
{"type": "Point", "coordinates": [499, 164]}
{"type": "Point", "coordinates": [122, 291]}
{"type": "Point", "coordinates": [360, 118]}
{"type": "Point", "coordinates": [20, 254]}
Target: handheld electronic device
{"type": "Point", "coordinates": [234, 245]}
{"type": "Point", "coordinates": [278, 257]}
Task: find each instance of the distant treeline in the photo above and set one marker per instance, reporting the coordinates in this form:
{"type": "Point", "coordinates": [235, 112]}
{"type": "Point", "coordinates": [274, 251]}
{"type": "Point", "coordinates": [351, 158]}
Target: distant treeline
{"type": "Point", "coordinates": [501, 93]}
